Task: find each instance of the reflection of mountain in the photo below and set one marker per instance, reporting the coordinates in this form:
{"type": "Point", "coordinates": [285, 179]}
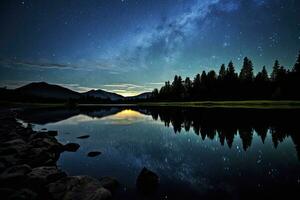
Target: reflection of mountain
{"type": "Point", "coordinates": [224, 124]}
{"type": "Point", "coordinates": [51, 115]}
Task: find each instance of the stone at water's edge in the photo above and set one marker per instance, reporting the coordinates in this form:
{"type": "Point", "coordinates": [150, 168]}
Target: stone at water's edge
{"type": "Point", "coordinates": [93, 153]}
{"type": "Point", "coordinates": [28, 167]}
{"type": "Point", "coordinates": [83, 137]}
{"type": "Point", "coordinates": [40, 176]}
{"type": "Point", "coordinates": [52, 133]}
{"type": "Point", "coordinates": [78, 187]}
{"type": "Point", "coordinates": [109, 183]}
{"type": "Point", "coordinates": [147, 181]}
{"type": "Point", "coordinates": [14, 174]}
{"type": "Point", "coordinates": [71, 147]}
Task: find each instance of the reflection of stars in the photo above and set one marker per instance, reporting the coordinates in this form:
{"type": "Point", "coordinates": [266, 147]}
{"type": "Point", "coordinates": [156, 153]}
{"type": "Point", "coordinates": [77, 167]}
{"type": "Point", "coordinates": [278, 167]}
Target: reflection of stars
{"type": "Point", "coordinates": [226, 44]}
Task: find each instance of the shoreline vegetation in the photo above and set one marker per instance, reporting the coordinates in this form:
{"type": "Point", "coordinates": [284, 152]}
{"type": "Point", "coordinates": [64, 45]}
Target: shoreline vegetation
{"type": "Point", "coordinates": [254, 104]}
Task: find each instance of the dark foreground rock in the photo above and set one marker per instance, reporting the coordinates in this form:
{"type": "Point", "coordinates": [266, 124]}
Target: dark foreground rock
{"type": "Point", "coordinates": [78, 187]}
{"type": "Point", "coordinates": [71, 147]}
{"type": "Point", "coordinates": [40, 176]}
{"type": "Point", "coordinates": [52, 133]}
{"type": "Point", "coordinates": [93, 153]}
{"type": "Point", "coordinates": [109, 183]}
{"type": "Point", "coordinates": [28, 166]}
{"type": "Point", "coordinates": [83, 137]}
{"type": "Point", "coordinates": [147, 181]}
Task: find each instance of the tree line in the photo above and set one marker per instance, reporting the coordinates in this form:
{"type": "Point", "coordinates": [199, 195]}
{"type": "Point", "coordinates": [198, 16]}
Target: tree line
{"type": "Point", "coordinates": [281, 83]}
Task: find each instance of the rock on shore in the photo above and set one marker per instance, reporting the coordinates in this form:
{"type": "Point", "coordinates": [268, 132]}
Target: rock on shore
{"type": "Point", "coordinates": [28, 166]}
{"type": "Point", "coordinates": [147, 181]}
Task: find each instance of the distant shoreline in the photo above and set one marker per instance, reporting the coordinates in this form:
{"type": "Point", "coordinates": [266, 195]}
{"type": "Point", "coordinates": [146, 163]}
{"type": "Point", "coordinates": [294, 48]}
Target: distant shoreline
{"type": "Point", "coordinates": [255, 104]}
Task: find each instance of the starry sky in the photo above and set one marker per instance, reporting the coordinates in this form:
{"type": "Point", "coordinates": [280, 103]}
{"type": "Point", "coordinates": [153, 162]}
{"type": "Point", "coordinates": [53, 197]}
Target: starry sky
{"type": "Point", "coordinates": [133, 46]}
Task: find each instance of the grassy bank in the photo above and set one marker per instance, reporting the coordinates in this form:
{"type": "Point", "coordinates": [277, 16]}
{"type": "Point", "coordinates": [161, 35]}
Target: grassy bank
{"type": "Point", "coordinates": [261, 104]}
{"type": "Point", "coordinates": [258, 104]}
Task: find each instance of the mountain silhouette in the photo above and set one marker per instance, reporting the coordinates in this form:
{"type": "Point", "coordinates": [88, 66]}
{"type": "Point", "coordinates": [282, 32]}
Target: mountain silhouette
{"type": "Point", "coordinates": [45, 90]}
{"type": "Point", "coordinates": [36, 91]}
{"type": "Point", "coordinates": [103, 95]}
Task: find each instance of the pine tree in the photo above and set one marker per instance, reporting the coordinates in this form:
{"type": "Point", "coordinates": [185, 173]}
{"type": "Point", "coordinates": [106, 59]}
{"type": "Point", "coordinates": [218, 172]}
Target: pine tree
{"type": "Point", "coordinates": [222, 72]}
{"type": "Point", "coordinates": [297, 64]}
{"type": "Point", "coordinates": [230, 72]}
{"type": "Point", "coordinates": [188, 86]}
{"type": "Point", "coordinates": [262, 76]}
{"type": "Point", "coordinates": [246, 73]}
{"type": "Point", "coordinates": [275, 71]}
{"type": "Point", "coordinates": [196, 85]}
{"type": "Point", "coordinates": [203, 78]}
{"type": "Point", "coordinates": [177, 87]}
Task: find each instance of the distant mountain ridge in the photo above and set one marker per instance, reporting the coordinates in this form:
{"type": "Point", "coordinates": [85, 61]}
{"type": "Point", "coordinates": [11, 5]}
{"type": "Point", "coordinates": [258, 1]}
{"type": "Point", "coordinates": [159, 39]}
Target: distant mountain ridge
{"type": "Point", "coordinates": [103, 95]}
{"type": "Point", "coordinates": [141, 96]}
{"type": "Point", "coordinates": [46, 90]}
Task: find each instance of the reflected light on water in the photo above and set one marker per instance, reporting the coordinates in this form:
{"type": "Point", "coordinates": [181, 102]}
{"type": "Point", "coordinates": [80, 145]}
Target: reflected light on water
{"type": "Point", "coordinates": [126, 117]}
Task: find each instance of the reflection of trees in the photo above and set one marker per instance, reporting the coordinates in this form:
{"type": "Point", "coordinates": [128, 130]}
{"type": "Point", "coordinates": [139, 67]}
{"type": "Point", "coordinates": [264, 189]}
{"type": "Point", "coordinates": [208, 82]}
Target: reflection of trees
{"type": "Point", "coordinates": [224, 124]}
{"type": "Point", "coordinates": [227, 123]}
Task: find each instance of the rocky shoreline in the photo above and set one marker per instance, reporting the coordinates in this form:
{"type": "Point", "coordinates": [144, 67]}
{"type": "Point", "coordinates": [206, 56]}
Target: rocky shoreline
{"type": "Point", "coordinates": [28, 166]}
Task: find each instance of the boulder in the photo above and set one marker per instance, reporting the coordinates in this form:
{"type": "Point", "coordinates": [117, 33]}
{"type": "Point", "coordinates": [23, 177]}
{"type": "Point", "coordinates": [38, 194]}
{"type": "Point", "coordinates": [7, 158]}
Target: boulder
{"type": "Point", "coordinates": [71, 147]}
{"type": "Point", "coordinates": [52, 133]}
{"type": "Point", "coordinates": [78, 188]}
{"type": "Point", "coordinates": [14, 174]}
{"type": "Point", "coordinates": [147, 181]}
{"type": "Point", "coordinates": [6, 192]}
{"type": "Point", "coordinates": [23, 194]}
{"type": "Point", "coordinates": [41, 156]}
{"type": "Point", "coordinates": [93, 153]}
{"type": "Point", "coordinates": [109, 183]}
{"type": "Point", "coordinates": [40, 176]}
{"type": "Point", "coordinates": [46, 142]}
{"type": "Point", "coordinates": [13, 147]}
{"type": "Point", "coordinates": [83, 137]}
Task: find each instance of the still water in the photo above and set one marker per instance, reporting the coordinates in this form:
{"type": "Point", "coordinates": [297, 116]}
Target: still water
{"type": "Point", "coordinates": [211, 153]}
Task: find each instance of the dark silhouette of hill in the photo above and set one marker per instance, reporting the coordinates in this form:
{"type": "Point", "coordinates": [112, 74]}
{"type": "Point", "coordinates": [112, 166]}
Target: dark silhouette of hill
{"type": "Point", "coordinates": [50, 93]}
{"type": "Point", "coordinates": [142, 96]}
{"type": "Point", "coordinates": [45, 90]}
{"type": "Point", "coordinates": [103, 95]}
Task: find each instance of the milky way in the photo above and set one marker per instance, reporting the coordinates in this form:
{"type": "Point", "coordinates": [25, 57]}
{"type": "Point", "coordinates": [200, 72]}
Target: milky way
{"type": "Point", "coordinates": [132, 46]}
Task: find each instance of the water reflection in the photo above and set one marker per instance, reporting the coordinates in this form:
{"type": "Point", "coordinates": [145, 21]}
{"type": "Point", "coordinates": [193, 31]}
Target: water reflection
{"type": "Point", "coordinates": [124, 117]}
{"type": "Point", "coordinates": [226, 124]}
{"type": "Point", "coordinates": [198, 153]}
{"type": "Point", "coordinates": [223, 124]}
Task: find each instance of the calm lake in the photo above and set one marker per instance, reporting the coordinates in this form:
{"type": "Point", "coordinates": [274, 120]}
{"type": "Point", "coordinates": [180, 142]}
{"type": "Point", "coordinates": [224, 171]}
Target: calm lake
{"type": "Point", "coordinates": [196, 152]}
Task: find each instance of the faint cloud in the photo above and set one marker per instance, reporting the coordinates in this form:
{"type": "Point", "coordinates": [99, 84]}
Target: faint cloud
{"type": "Point", "coordinates": [116, 66]}
{"type": "Point", "coordinates": [129, 89]}
{"type": "Point", "coordinates": [30, 64]}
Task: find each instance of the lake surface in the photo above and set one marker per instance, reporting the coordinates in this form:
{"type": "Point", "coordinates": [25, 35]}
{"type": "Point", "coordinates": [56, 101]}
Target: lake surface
{"type": "Point", "coordinates": [210, 153]}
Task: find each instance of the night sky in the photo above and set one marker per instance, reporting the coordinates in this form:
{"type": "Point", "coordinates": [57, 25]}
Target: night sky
{"type": "Point", "coordinates": [132, 46]}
